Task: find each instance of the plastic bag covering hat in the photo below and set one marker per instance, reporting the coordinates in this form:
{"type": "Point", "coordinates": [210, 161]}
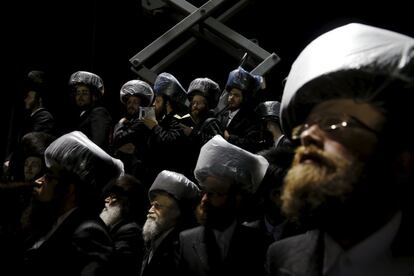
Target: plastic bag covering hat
{"type": "Point", "coordinates": [268, 110]}
{"type": "Point", "coordinates": [368, 49]}
{"type": "Point", "coordinates": [75, 153]}
{"type": "Point", "coordinates": [243, 80]}
{"type": "Point", "coordinates": [176, 184]}
{"type": "Point", "coordinates": [221, 159]}
{"type": "Point", "coordinates": [167, 85]}
{"type": "Point", "coordinates": [139, 89]}
{"type": "Point", "coordinates": [83, 77]}
{"type": "Point", "coordinates": [207, 88]}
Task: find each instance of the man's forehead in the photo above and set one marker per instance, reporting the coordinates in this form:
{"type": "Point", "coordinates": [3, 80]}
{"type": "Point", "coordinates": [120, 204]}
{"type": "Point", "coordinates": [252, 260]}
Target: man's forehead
{"type": "Point", "coordinates": [163, 198]}
{"type": "Point", "coordinates": [364, 111]}
{"type": "Point", "coordinates": [214, 182]}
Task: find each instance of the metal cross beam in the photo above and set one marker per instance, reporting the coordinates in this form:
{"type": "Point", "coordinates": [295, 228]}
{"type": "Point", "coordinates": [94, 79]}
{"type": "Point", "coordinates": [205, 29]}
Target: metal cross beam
{"type": "Point", "coordinates": [204, 27]}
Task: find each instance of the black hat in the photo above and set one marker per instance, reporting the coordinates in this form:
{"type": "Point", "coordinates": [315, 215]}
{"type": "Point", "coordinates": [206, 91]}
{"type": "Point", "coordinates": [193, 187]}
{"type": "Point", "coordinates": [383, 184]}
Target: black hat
{"type": "Point", "coordinates": [167, 85]}
{"type": "Point", "coordinates": [268, 110]}
{"type": "Point", "coordinates": [175, 184]}
{"type": "Point", "coordinates": [243, 80]}
{"type": "Point", "coordinates": [206, 88]}
{"type": "Point", "coordinates": [87, 78]}
{"type": "Point", "coordinates": [35, 143]}
{"type": "Point", "coordinates": [76, 154]}
{"type": "Point", "coordinates": [139, 89]}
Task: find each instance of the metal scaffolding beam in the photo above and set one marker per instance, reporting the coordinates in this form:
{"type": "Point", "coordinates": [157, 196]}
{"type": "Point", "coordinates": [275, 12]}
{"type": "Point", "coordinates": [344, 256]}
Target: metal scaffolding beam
{"type": "Point", "coordinates": [201, 26]}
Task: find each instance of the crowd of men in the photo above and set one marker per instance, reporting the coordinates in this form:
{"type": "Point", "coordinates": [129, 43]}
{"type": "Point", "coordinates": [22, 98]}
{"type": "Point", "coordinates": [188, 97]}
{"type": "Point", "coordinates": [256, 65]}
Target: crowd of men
{"type": "Point", "coordinates": [201, 181]}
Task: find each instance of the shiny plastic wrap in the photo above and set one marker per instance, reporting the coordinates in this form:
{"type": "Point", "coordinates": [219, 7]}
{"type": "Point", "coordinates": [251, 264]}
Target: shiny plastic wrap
{"type": "Point", "coordinates": [166, 84]}
{"type": "Point", "coordinates": [351, 48]}
{"type": "Point", "coordinates": [88, 79]}
{"type": "Point", "coordinates": [243, 80]}
{"type": "Point", "coordinates": [207, 88]}
{"type": "Point", "coordinates": [176, 184]}
{"type": "Point", "coordinates": [75, 153]}
{"type": "Point", "coordinates": [139, 89]}
{"type": "Point", "coordinates": [221, 159]}
{"type": "Point", "coordinates": [268, 110]}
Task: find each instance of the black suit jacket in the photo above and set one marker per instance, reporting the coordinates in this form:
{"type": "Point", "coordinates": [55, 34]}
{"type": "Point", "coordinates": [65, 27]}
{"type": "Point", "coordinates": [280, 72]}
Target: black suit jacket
{"type": "Point", "coordinates": [243, 129]}
{"type": "Point", "coordinates": [164, 259]}
{"type": "Point", "coordinates": [43, 121]}
{"type": "Point", "coordinates": [303, 255]}
{"type": "Point", "coordinates": [96, 123]}
{"type": "Point", "coordinates": [245, 256]}
{"type": "Point", "coordinates": [79, 246]}
{"type": "Point", "coordinates": [129, 247]}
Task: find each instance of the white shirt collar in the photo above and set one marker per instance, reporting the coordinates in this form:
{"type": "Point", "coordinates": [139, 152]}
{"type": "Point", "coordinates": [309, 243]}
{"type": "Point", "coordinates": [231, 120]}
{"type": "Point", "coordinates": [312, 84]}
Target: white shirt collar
{"type": "Point", "coordinates": [231, 115]}
{"type": "Point", "coordinates": [223, 238]}
{"type": "Point", "coordinates": [375, 247]}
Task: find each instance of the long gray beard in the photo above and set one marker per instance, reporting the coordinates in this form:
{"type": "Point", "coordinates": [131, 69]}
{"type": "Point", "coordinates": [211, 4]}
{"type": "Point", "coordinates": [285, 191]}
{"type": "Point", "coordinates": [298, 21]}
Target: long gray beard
{"type": "Point", "coordinates": [151, 230]}
{"type": "Point", "coordinates": [111, 214]}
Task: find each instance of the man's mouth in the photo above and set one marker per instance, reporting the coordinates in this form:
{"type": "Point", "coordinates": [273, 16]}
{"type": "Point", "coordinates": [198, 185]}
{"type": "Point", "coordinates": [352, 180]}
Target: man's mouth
{"type": "Point", "coordinates": [307, 158]}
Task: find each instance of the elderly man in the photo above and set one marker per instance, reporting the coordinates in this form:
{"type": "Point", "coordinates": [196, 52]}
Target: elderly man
{"type": "Point", "coordinates": [228, 175]}
{"type": "Point", "coordinates": [345, 99]}
{"type": "Point", "coordinates": [68, 238]}
{"type": "Point", "coordinates": [173, 200]}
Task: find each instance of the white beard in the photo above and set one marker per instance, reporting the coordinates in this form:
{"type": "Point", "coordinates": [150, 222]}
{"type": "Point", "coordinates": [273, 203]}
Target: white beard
{"type": "Point", "coordinates": [151, 229]}
{"type": "Point", "coordinates": [155, 226]}
{"type": "Point", "coordinates": [111, 214]}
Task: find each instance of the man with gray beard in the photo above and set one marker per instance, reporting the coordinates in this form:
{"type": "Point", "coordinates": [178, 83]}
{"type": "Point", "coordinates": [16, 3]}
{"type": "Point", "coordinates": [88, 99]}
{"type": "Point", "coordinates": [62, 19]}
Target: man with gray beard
{"type": "Point", "coordinates": [124, 211]}
{"type": "Point", "coordinates": [173, 199]}
{"type": "Point", "coordinates": [346, 182]}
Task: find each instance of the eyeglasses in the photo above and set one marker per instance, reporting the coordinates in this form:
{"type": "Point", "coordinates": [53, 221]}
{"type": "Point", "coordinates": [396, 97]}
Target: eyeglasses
{"type": "Point", "coordinates": [332, 123]}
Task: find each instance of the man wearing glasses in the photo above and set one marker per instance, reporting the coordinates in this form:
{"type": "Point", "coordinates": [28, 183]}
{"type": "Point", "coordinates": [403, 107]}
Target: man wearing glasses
{"type": "Point", "coordinates": [346, 111]}
{"type": "Point", "coordinates": [173, 199]}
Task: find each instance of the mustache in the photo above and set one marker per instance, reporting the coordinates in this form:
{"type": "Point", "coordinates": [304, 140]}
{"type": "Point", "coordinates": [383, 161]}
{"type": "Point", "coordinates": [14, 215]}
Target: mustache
{"type": "Point", "coordinates": [314, 154]}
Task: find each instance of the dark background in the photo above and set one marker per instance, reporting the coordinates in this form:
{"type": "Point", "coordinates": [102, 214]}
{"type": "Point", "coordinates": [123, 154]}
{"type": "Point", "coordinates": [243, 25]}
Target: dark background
{"type": "Point", "coordinates": [61, 37]}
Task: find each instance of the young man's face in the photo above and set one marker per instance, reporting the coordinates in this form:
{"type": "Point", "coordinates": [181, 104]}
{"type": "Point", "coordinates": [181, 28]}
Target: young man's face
{"type": "Point", "coordinates": [159, 107]}
{"type": "Point", "coordinates": [45, 188]}
{"type": "Point", "coordinates": [132, 105]}
{"type": "Point", "coordinates": [83, 96]}
{"type": "Point", "coordinates": [30, 101]}
{"type": "Point", "coordinates": [218, 206]}
{"type": "Point", "coordinates": [32, 167]}
{"type": "Point", "coordinates": [199, 106]}
{"type": "Point", "coordinates": [235, 99]}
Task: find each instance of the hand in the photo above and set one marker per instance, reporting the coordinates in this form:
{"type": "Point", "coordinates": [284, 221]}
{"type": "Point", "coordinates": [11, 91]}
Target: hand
{"type": "Point", "coordinates": [150, 123]}
{"type": "Point", "coordinates": [226, 135]}
{"type": "Point", "coordinates": [187, 130]}
{"type": "Point", "coordinates": [128, 148]}
{"type": "Point", "coordinates": [123, 121]}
